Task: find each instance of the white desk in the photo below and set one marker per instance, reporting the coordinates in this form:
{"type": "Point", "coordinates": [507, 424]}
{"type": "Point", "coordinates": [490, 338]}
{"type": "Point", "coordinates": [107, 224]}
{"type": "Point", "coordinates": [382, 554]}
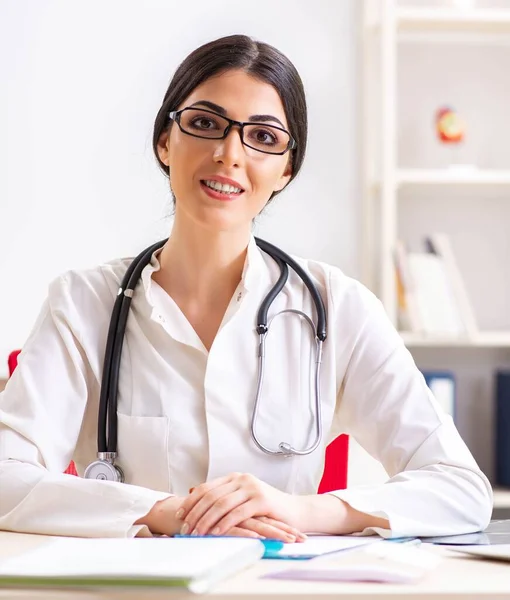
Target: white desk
{"type": "Point", "coordinates": [457, 577]}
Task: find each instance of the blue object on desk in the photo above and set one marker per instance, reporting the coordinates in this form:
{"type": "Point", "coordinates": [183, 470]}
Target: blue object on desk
{"type": "Point", "coordinates": [404, 540]}
{"type": "Point", "coordinates": [271, 547]}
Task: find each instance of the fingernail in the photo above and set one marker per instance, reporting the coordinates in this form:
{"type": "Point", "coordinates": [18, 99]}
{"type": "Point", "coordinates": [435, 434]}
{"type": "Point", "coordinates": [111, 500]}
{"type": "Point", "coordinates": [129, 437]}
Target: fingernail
{"type": "Point", "coordinates": [216, 531]}
{"type": "Point", "coordinates": [290, 538]}
{"type": "Point", "coordinates": [195, 532]}
{"type": "Point", "coordinates": [179, 514]}
{"type": "Point", "coordinates": [184, 529]}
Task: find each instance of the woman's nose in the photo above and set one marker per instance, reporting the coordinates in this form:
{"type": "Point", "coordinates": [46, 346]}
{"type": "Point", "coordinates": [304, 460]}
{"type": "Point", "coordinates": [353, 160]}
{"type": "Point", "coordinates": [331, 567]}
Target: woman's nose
{"type": "Point", "coordinates": [230, 150]}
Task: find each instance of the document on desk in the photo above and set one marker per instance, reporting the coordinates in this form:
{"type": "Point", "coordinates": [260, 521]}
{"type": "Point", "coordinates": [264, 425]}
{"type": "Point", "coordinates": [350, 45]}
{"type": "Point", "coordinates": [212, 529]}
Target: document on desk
{"type": "Point", "coordinates": [385, 562]}
{"type": "Point", "coordinates": [318, 545]}
{"type": "Point", "coordinates": [196, 564]}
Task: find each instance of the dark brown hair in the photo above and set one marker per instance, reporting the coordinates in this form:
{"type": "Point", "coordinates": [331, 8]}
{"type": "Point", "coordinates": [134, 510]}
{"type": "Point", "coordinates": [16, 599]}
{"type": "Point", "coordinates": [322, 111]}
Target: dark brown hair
{"type": "Point", "coordinates": [255, 58]}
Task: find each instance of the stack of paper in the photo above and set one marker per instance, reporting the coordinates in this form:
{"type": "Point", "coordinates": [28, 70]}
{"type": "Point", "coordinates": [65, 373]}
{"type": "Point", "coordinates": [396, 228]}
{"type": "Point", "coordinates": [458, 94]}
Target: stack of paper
{"type": "Point", "coordinates": [196, 564]}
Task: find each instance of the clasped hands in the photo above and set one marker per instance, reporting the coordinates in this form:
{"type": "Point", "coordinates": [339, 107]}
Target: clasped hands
{"type": "Point", "coordinates": [237, 504]}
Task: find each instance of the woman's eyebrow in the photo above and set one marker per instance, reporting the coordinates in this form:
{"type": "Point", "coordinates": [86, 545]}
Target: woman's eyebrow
{"type": "Point", "coordinates": [220, 110]}
{"type": "Point", "coordinates": [264, 118]}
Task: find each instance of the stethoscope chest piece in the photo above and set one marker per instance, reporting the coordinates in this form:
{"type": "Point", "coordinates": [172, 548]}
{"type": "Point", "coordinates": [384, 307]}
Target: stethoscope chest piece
{"type": "Point", "coordinates": [104, 469]}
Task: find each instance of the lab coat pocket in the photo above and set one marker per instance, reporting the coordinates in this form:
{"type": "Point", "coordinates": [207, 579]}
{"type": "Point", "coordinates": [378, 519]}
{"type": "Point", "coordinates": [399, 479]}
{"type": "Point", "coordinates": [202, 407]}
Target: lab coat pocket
{"type": "Point", "coordinates": [143, 451]}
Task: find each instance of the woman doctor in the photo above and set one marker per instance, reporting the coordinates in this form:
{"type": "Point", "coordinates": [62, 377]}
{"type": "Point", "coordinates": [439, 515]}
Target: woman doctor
{"type": "Point", "coordinates": [188, 376]}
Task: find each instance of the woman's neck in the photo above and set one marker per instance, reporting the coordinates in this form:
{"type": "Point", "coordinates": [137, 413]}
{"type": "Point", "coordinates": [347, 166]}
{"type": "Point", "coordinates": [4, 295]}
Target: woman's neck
{"type": "Point", "coordinates": [202, 266]}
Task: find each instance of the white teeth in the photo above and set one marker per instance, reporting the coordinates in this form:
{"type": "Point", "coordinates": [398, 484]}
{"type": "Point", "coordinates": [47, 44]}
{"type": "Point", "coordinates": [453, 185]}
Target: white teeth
{"type": "Point", "coordinates": [222, 187]}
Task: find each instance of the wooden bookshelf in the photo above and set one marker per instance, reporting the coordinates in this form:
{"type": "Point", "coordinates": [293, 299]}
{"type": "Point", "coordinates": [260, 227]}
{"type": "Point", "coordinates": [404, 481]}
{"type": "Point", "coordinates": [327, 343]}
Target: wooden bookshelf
{"type": "Point", "coordinates": [431, 20]}
{"type": "Point", "coordinates": [453, 176]}
{"type": "Point", "coordinates": [484, 339]}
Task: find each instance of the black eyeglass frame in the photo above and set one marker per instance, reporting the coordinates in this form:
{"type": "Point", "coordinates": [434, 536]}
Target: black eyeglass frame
{"type": "Point", "coordinates": [175, 115]}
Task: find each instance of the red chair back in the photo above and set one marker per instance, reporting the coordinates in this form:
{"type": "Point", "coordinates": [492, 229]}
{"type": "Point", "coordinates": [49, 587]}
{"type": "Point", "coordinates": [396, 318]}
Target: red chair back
{"type": "Point", "coordinates": [13, 361]}
{"type": "Point", "coordinates": [335, 466]}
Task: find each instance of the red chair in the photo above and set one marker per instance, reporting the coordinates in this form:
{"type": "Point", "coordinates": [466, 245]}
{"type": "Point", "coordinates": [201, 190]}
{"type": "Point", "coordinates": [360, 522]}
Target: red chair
{"type": "Point", "coordinates": [335, 466]}
{"type": "Point", "coordinates": [13, 362]}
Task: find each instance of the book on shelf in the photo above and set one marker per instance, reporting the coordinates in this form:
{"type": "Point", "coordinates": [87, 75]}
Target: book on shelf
{"type": "Point", "coordinates": [502, 426]}
{"type": "Point", "coordinates": [439, 244]}
{"type": "Point", "coordinates": [442, 384]}
{"type": "Point", "coordinates": [408, 313]}
{"type": "Point", "coordinates": [432, 297]}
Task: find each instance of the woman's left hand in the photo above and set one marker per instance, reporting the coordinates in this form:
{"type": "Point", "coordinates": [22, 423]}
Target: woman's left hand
{"type": "Point", "coordinates": [219, 505]}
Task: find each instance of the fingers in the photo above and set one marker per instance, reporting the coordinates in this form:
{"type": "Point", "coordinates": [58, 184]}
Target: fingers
{"type": "Point", "coordinates": [225, 503]}
{"type": "Point", "coordinates": [299, 535]}
{"type": "Point", "coordinates": [235, 516]}
{"type": "Point", "coordinates": [242, 532]}
{"type": "Point", "coordinates": [267, 530]}
{"type": "Point", "coordinates": [218, 505]}
{"type": "Point", "coordinates": [196, 493]}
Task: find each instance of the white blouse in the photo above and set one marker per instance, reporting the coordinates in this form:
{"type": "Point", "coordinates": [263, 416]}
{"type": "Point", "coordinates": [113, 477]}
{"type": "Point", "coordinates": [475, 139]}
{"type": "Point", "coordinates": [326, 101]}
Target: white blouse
{"type": "Point", "coordinates": [184, 413]}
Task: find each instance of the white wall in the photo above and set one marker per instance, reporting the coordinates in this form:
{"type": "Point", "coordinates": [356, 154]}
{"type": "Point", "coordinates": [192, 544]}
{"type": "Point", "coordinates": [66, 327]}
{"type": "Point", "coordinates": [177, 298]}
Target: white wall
{"type": "Point", "coordinates": [82, 83]}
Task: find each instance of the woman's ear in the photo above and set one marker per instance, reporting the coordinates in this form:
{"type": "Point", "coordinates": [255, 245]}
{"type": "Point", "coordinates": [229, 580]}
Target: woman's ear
{"type": "Point", "coordinates": [285, 178]}
{"type": "Point", "coordinates": [163, 147]}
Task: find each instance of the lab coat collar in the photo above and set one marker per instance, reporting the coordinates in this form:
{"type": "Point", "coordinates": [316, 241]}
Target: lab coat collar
{"type": "Point", "coordinates": [253, 268]}
{"type": "Point", "coordinates": [253, 265]}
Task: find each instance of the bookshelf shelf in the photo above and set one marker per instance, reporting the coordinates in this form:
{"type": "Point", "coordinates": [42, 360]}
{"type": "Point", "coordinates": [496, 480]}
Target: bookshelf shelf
{"type": "Point", "coordinates": [452, 176]}
{"type": "Point", "coordinates": [409, 19]}
{"type": "Point", "coordinates": [484, 339]}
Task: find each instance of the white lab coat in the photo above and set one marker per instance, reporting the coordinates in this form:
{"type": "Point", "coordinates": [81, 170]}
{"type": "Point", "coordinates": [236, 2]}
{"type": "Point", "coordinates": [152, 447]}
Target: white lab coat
{"type": "Point", "coordinates": [184, 413]}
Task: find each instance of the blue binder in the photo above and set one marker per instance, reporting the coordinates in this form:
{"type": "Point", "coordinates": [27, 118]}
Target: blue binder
{"type": "Point", "coordinates": [443, 385]}
{"type": "Point", "coordinates": [502, 420]}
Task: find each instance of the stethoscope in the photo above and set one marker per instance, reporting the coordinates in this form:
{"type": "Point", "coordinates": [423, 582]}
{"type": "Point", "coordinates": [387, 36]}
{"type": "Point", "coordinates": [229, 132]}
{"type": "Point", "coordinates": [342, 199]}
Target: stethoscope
{"type": "Point", "coordinates": [104, 467]}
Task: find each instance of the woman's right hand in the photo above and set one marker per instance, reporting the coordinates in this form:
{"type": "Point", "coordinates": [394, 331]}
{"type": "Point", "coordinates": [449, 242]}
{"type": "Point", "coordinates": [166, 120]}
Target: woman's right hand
{"type": "Point", "coordinates": [161, 519]}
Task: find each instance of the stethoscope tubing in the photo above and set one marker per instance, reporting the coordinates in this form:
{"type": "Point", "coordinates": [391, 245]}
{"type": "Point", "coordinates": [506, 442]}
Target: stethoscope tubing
{"type": "Point", "coordinates": [107, 414]}
{"type": "Point", "coordinates": [285, 448]}
{"type": "Point", "coordinates": [274, 251]}
{"type": "Point", "coordinates": [107, 419]}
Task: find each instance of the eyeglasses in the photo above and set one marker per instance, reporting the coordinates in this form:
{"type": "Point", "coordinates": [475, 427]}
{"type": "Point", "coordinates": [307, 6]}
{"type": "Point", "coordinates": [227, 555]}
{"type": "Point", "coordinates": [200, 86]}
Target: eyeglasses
{"type": "Point", "coordinates": [202, 123]}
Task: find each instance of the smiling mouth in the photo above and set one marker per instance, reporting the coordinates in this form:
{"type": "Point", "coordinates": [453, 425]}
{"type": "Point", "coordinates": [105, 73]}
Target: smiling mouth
{"type": "Point", "coordinates": [223, 189]}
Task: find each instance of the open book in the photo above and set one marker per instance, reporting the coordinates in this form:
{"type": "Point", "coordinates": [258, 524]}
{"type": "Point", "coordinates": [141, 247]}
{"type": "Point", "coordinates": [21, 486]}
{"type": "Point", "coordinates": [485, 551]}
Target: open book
{"type": "Point", "coordinates": [195, 564]}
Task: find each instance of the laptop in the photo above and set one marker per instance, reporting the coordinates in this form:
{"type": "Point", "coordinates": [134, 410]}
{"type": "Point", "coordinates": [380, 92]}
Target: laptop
{"type": "Point", "coordinates": [497, 533]}
{"type": "Point", "coordinates": [498, 552]}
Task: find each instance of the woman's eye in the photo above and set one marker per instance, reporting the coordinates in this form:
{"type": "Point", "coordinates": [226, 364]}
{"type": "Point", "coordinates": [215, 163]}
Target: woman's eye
{"type": "Point", "coordinates": [265, 136]}
{"type": "Point", "coordinates": [203, 123]}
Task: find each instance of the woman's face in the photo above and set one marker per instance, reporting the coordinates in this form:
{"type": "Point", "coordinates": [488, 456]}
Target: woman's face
{"type": "Point", "coordinates": [197, 164]}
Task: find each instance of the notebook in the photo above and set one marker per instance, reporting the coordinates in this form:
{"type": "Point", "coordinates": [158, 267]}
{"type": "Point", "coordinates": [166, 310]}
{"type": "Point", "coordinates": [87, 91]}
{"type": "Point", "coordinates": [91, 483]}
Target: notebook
{"type": "Point", "coordinates": [195, 564]}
